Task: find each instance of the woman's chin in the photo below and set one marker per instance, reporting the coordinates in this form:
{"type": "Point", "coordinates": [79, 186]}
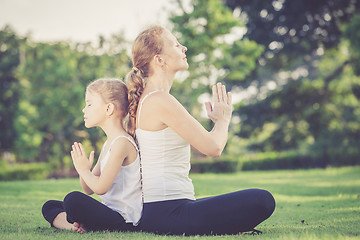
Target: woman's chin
{"type": "Point", "coordinates": [185, 67]}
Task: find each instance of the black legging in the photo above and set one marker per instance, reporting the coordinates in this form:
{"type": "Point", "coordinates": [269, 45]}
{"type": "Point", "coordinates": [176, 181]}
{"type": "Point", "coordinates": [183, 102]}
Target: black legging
{"type": "Point", "coordinates": [225, 214]}
{"type": "Point", "coordinates": [90, 213]}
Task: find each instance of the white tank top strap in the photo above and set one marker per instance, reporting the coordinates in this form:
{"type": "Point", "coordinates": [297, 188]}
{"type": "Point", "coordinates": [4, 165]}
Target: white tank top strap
{"type": "Point", "coordinates": [140, 106]}
{"type": "Point", "coordinates": [128, 138]}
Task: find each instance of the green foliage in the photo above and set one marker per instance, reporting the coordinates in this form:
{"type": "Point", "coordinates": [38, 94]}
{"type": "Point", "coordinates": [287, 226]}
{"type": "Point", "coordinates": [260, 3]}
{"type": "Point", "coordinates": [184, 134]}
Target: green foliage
{"type": "Point", "coordinates": [261, 161]}
{"type": "Point", "coordinates": [42, 94]}
{"type": "Point", "coordinates": [26, 171]}
{"type": "Point", "coordinates": [54, 97]}
{"type": "Point", "coordinates": [10, 45]}
{"type": "Point", "coordinates": [290, 30]}
{"type": "Point", "coordinates": [213, 166]}
{"type": "Point", "coordinates": [53, 78]}
{"type": "Point", "coordinates": [326, 200]}
{"type": "Point", "coordinates": [352, 33]}
{"type": "Point", "coordinates": [293, 65]}
{"type": "Point", "coordinates": [311, 60]}
{"type": "Point", "coordinates": [215, 52]}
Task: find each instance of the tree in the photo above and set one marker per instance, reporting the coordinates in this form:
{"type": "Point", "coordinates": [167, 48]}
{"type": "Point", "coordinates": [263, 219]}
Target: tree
{"type": "Point", "coordinates": [53, 78]}
{"type": "Point", "coordinates": [290, 30]}
{"type": "Point", "coordinates": [10, 45]}
{"type": "Point", "coordinates": [311, 57]}
{"type": "Point", "coordinates": [216, 52]}
{"type": "Point", "coordinates": [50, 102]}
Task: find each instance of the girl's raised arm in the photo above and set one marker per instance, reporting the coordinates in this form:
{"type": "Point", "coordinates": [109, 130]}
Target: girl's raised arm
{"type": "Point", "coordinates": [102, 183]}
{"type": "Point", "coordinates": [96, 172]}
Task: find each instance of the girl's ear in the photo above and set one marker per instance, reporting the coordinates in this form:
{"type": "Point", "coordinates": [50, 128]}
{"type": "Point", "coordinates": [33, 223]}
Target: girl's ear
{"type": "Point", "coordinates": [110, 108]}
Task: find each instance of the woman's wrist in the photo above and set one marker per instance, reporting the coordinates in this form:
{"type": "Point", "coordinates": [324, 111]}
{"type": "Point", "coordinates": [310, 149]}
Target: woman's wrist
{"type": "Point", "coordinates": [223, 121]}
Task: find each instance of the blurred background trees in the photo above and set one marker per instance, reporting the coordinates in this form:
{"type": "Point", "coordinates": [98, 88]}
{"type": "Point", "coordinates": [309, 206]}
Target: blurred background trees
{"type": "Point", "coordinates": [9, 91]}
{"type": "Point", "coordinates": [44, 86]}
{"type": "Point", "coordinates": [293, 68]}
{"type": "Point", "coordinates": [307, 78]}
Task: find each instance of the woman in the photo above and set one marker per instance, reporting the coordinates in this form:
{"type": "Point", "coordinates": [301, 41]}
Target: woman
{"type": "Point", "coordinates": [164, 131]}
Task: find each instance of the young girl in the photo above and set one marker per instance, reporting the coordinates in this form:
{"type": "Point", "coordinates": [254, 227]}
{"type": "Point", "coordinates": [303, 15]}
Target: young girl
{"type": "Point", "coordinates": [165, 131]}
{"type": "Point", "coordinates": [116, 175]}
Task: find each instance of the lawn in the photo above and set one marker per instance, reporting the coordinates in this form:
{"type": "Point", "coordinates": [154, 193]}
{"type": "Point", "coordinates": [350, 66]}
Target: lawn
{"type": "Point", "coordinates": [311, 204]}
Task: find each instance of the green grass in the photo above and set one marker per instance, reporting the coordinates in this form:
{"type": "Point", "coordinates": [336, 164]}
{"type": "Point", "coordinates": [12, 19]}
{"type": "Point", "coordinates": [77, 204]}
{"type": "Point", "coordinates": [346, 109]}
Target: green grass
{"type": "Point", "coordinates": [311, 204]}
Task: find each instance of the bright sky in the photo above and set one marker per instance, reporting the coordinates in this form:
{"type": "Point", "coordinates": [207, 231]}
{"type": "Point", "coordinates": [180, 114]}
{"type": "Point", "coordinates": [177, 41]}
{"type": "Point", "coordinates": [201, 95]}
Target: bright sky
{"type": "Point", "coordinates": [82, 20]}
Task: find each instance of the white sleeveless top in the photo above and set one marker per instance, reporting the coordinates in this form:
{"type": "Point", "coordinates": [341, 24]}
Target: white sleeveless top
{"type": "Point", "coordinates": [124, 195]}
{"type": "Point", "coordinates": [165, 164]}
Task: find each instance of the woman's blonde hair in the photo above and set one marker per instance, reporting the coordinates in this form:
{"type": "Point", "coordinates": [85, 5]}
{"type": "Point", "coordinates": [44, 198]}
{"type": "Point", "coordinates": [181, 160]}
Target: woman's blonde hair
{"type": "Point", "coordinates": [113, 91]}
{"type": "Point", "coordinates": [146, 45]}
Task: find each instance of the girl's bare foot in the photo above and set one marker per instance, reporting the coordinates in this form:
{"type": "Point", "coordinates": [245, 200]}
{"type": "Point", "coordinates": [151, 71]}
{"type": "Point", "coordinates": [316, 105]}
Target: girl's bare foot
{"type": "Point", "coordinates": [79, 228]}
{"type": "Point", "coordinates": [60, 222]}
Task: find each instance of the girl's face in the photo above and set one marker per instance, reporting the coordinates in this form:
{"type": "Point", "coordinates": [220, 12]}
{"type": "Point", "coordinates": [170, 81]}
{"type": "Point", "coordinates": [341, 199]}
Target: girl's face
{"type": "Point", "coordinates": [173, 53]}
{"type": "Point", "coordinates": [94, 110]}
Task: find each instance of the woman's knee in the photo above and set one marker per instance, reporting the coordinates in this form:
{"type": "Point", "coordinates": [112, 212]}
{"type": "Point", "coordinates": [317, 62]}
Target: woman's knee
{"type": "Point", "coordinates": [266, 202]}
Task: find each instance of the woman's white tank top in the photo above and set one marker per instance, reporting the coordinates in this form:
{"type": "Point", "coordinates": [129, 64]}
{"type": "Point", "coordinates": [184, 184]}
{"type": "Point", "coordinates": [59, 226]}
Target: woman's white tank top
{"type": "Point", "coordinates": [125, 195]}
{"type": "Point", "coordinates": [165, 164]}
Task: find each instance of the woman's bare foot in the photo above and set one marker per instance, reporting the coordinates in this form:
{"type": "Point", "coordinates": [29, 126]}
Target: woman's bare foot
{"type": "Point", "coordinates": [79, 228]}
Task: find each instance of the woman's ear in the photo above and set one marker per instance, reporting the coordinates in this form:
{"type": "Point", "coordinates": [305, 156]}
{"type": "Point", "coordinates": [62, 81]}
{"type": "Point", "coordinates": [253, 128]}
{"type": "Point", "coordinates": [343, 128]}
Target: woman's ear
{"type": "Point", "coordinates": [158, 60]}
{"type": "Point", "coordinates": [110, 108]}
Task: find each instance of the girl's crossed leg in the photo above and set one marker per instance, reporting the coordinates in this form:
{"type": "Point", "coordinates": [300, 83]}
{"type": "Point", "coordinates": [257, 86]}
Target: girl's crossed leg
{"type": "Point", "coordinates": [79, 211]}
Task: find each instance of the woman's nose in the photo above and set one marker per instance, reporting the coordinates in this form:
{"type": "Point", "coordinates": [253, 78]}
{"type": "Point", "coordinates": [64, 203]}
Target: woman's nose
{"type": "Point", "coordinates": [184, 49]}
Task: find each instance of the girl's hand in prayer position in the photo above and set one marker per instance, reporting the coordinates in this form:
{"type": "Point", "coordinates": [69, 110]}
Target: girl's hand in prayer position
{"type": "Point", "coordinates": [80, 160]}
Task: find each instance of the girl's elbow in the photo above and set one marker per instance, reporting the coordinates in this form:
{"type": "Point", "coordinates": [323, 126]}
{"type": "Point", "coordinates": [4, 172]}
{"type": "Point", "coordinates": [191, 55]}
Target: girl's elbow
{"type": "Point", "coordinates": [88, 192]}
{"type": "Point", "coordinates": [100, 191]}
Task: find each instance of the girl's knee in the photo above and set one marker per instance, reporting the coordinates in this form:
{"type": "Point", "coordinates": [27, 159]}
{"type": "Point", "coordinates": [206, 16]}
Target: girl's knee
{"type": "Point", "coordinates": [51, 209]}
{"type": "Point", "coordinates": [50, 205]}
{"type": "Point", "coordinates": [47, 205]}
{"type": "Point", "coordinates": [46, 208]}
{"type": "Point", "coordinates": [73, 198]}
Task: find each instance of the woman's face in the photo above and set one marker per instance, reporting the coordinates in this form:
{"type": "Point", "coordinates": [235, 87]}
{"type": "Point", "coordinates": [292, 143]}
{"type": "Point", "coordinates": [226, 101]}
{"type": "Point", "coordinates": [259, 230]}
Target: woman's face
{"type": "Point", "coordinates": [173, 53]}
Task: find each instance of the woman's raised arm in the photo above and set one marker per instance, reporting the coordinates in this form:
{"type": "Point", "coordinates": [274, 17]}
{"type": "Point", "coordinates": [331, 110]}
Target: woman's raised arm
{"type": "Point", "coordinates": [174, 115]}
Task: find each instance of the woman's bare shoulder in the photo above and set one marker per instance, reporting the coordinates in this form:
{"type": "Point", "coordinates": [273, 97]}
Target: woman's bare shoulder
{"type": "Point", "coordinates": [162, 99]}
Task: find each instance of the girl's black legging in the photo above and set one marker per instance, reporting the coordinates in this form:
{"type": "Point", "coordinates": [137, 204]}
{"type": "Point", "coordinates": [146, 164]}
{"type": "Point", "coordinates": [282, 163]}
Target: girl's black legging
{"type": "Point", "coordinates": [225, 214]}
{"type": "Point", "coordinates": [90, 213]}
